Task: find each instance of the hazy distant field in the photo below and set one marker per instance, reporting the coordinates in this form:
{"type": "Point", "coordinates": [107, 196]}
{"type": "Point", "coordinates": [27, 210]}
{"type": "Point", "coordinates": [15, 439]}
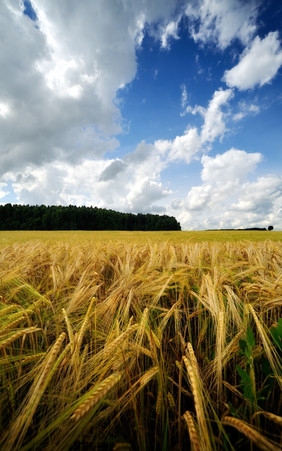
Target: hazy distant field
{"type": "Point", "coordinates": [9, 237]}
{"type": "Point", "coordinates": [140, 341]}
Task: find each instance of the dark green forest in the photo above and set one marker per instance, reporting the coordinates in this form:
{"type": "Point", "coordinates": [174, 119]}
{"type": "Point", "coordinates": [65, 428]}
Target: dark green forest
{"type": "Point", "coordinates": [41, 217]}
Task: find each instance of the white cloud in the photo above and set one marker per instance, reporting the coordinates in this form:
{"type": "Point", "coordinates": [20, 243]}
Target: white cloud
{"type": "Point", "coordinates": [184, 147]}
{"type": "Point", "coordinates": [229, 167]}
{"type": "Point", "coordinates": [246, 109]}
{"type": "Point", "coordinates": [258, 64]}
{"type": "Point", "coordinates": [198, 198]}
{"type": "Point", "coordinates": [169, 31]}
{"type": "Point", "coordinates": [4, 110]}
{"type": "Point", "coordinates": [129, 184]}
{"type": "Point", "coordinates": [144, 193]}
{"type": "Point", "coordinates": [214, 125]}
{"type": "Point", "coordinates": [193, 141]}
{"type": "Point", "coordinates": [222, 21]}
{"type": "Point", "coordinates": [227, 199]}
{"type": "Point", "coordinates": [259, 197]}
{"type": "Point", "coordinates": [3, 192]}
{"type": "Point", "coordinates": [61, 73]}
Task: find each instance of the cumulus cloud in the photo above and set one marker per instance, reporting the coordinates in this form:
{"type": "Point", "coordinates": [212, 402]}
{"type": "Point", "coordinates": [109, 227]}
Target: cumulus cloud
{"type": "Point", "coordinates": [230, 167]}
{"type": "Point", "coordinates": [129, 184]}
{"type": "Point", "coordinates": [222, 21]}
{"type": "Point", "coordinates": [226, 198]}
{"type": "Point", "coordinates": [184, 147]}
{"type": "Point", "coordinates": [188, 145]}
{"type": "Point", "coordinates": [260, 196]}
{"type": "Point", "coordinates": [144, 194]}
{"type": "Point", "coordinates": [258, 65]}
{"type": "Point", "coordinates": [58, 90]}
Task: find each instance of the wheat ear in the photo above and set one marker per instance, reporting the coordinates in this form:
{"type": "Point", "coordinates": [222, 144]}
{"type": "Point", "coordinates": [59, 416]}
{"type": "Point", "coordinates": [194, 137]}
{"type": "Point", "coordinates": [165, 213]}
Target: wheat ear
{"type": "Point", "coordinates": [12, 324]}
{"type": "Point", "coordinates": [50, 359]}
{"type": "Point", "coordinates": [251, 433]}
{"type": "Point", "coordinates": [98, 394]}
{"type": "Point", "coordinates": [85, 323]}
{"type": "Point", "coordinates": [276, 418]}
{"type": "Point", "coordinates": [8, 309]}
{"type": "Point", "coordinates": [69, 327]}
{"type": "Point", "coordinates": [148, 376]}
{"type": "Point", "coordinates": [197, 391]}
{"type": "Point", "coordinates": [113, 346]}
{"type": "Point", "coordinates": [17, 335]}
{"type": "Point", "coordinates": [194, 438]}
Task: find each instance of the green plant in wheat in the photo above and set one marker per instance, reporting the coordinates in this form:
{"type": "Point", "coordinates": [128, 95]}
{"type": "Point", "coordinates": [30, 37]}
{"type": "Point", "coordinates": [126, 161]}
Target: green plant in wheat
{"type": "Point", "coordinates": [247, 375]}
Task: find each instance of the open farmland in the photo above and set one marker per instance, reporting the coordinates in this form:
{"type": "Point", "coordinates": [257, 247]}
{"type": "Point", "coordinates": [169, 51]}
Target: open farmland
{"type": "Point", "coordinates": [11, 237]}
{"type": "Point", "coordinates": [144, 341]}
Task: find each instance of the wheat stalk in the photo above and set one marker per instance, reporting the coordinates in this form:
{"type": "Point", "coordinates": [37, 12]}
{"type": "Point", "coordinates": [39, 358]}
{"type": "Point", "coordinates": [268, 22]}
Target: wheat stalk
{"type": "Point", "coordinates": [159, 402]}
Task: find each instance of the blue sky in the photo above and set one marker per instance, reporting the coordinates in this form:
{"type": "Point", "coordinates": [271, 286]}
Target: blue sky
{"type": "Point", "coordinates": [168, 107]}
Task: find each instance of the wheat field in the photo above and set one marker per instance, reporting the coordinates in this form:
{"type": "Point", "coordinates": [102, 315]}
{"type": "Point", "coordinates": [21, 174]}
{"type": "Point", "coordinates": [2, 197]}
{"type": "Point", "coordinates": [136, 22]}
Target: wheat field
{"type": "Point", "coordinates": [140, 344]}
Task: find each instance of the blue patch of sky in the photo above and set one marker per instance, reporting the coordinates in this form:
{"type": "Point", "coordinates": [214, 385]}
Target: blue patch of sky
{"type": "Point", "coordinates": [10, 197]}
{"type": "Point", "coordinates": [271, 14]}
{"type": "Point", "coordinates": [151, 103]}
{"type": "Point", "coordinates": [29, 11]}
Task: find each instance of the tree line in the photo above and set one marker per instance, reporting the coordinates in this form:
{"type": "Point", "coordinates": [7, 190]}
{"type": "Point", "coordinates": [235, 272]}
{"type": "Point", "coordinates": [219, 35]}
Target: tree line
{"type": "Point", "coordinates": [41, 217]}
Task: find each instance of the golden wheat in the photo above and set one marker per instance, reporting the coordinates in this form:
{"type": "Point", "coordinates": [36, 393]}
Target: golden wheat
{"type": "Point", "coordinates": [194, 438]}
{"type": "Point", "coordinates": [17, 335]}
{"type": "Point", "coordinates": [102, 326]}
{"type": "Point", "coordinates": [103, 388]}
{"type": "Point", "coordinates": [251, 433]}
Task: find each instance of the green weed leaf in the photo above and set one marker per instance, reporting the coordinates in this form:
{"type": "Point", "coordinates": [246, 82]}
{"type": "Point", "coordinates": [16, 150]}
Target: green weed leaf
{"type": "Point", "coordinates": [250, 338]}
{"type": "Point", "coordinates": [246, 384]}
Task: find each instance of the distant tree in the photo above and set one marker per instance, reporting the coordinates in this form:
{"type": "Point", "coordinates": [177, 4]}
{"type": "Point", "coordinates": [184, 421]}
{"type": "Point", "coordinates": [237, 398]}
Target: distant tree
{"type": "Point", "coordinates": [35, 217]}
{"type": "Point", "coordinates": [270, 228]}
